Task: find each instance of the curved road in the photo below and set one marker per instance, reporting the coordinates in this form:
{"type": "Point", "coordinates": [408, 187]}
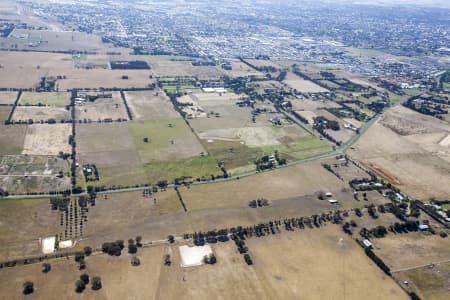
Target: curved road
{"type": "Point", "coordinates": [339, 151]}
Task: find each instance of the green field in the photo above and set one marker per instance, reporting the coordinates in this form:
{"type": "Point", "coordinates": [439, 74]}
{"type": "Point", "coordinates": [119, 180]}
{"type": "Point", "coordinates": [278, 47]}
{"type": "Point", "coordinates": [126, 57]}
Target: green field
{"type": "Point", "coordinates": [45, 99]}
{"type": "Point", "coordinates": [306, 147]}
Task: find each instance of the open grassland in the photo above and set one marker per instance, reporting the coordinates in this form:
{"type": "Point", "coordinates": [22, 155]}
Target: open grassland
{"type": "Point", "coordinates": [239, 69]}
{"type": "Point", "coordinates": [7, 98]}
{"type": "Point", "coordinates": [404, 147]}
{"type": "Point", "coordinates": [47, 139]}
{"type": "Point", "coordinates": [12, 139]}
{"type": "Point", "coordinates": [25, 69]}
{"type": "Point", "coordinates": [23, 223]}
{"type": "Point", "coordinates": [111, 148]}
{"type": "Point", "coordinates": [302, 85]}
{"type": "Point", "coordinates": [124, 158]}
{"type": "Point", "coordinates": [172, 66]}
{"type": "Point", "coordinates": [150, 105]}
{"type": "Point", "coordinates": [412, 250]}
{"type": "Point", "coordinates": [4, 113]}
{"type": "Point", "coordinates": [45, 99]}
{"type": "Point", "coordinates": [40, 113]}
{"type": "Point", "coordinates": [427, 282]}
{"type": "Point", "coordinates": [295, 181]}
{"type": "Point", "coordinates": [310, 259]}
{"type": "Point", "coordinates": [167, 139]}
{"type": "Point", "coordinates": [101, 78]}
{"type": "Point", "coordinates": [45, 40]}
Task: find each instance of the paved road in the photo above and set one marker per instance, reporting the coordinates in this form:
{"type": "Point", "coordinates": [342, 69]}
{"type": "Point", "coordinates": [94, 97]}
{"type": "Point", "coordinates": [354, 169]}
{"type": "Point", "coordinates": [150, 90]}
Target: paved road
{"type": "Point", "coordinates": [338, 151]}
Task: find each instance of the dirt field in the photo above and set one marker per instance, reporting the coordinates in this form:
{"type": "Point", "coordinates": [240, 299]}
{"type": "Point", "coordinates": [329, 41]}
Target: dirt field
{"type": "Point", "coordinates": [40, 113]}
{"type": "Point", "coordinates": [340, 263]}
{"type": "Point", "coordinates": [47, 99]}
{"type": "Point", "coordinates": [12, 139]}
{"type": "Point", "coordinates": [22, 223]}
{"type": "Point", "coordinates": [152, 105]}
{"type": "Point", "coordinates": [301, 85]}
{"type": "Point", "coordinates": [7, 98]}
{"type": "Point", "coordinates": [102, 108]}
{"type": "Point", "coordinates": [405, 145]}
{"type": "Point", "coordinates": [47, 139]}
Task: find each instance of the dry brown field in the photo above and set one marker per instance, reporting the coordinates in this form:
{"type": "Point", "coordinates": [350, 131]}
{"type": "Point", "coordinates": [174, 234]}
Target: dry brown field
{"type": "Point", "coordinates": [47, 139]}
{"type": "Point", "coordinates": [150, 105]}
{"type": "Point", "coordinates": [427, 282]}
{"type": "Point", "coordinates": [102, 78]}
{"type": "Point", "coordinates": [40, 113]}
{"type": "Point", "coordinates": [102, 108]}
{"type": "Point", "coordinates": [239, 69]}
{"type": "Point", "coordinates": [404, 251]}
{"type": "Point", "coordinates": [46, 40]}
{"type": "Point", "coordinates": [168, 66]}
{"type": "Point", "coordinates": [12, 139]}
{"type": "Point", "coordinates": [302, 85]}
{"type": "Point", "coordinates": [47, 99]}
{"type": "Point", "coordinates": [7, 98]}
{"type": "Point", "coordinates": [295, 181]}
{"type": "Point", "coordinates": [25, 69]}
{"type": "Point", "coordinates": [329, 258]}
{"type": "Point", "coordinates": [405, 146]}
{"type": "Point", "coordinates": [23, 223]}
{"type": "Point", "coordinates": [4, 113]}
{"type": "Point", "coordinates": [310, 105]}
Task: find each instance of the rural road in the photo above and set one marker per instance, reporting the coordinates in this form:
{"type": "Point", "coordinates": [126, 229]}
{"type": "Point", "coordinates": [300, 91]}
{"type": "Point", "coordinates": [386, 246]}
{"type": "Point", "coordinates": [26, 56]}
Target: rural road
{"type": "Point", "coordinates": [339, 151]}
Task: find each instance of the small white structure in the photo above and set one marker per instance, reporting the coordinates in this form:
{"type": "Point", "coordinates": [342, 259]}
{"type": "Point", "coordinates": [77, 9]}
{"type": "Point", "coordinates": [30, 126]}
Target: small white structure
{"type": "Point", "coordinates": [424, 227]}
{"type": "Point", "coordinates": [193, 256]}
{"type": "Point", "coordinates": [333, 201]}
{"type": "Point", "coordinates": [65, 244]}
{"type": "Point", "coordinates": [329, 194]}
{"type": "Point", "coordinates": [48, 245]}
{"type": "Point", "coordinates": [367, 244]}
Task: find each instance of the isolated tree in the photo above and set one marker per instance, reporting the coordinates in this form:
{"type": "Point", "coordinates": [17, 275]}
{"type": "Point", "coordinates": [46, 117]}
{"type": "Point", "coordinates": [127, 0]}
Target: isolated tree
{"type": "Point", "coordinates": [87, 250]}
{"type": "Point", "coordinates": [96, 283]}
{"type": "Point", "coordinates": [28, 287]}
{"type": "Point", "coordinates": [79, 286]}
{"type": "Point", "coordinates": [171, 239]}
{"type": "Point", "coordinates": [135, 261]}
{"type": "Point", "coordinates": [46, 267]}
{"type": "Point", "coordinates": [85, 278]}
{"type": "Point", "coordinates": [139, 241]}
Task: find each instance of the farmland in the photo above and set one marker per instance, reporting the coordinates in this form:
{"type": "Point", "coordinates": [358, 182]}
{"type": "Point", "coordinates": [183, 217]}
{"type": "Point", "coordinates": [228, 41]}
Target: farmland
{"type": "Point", "coordinates": [45, 99]}
{"type": "Point", "coordinates": [152, 105]}
{"type": "Point", "coordinates": [410, 152]}
{"type": "Point", "coordinates": [327, 256]}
